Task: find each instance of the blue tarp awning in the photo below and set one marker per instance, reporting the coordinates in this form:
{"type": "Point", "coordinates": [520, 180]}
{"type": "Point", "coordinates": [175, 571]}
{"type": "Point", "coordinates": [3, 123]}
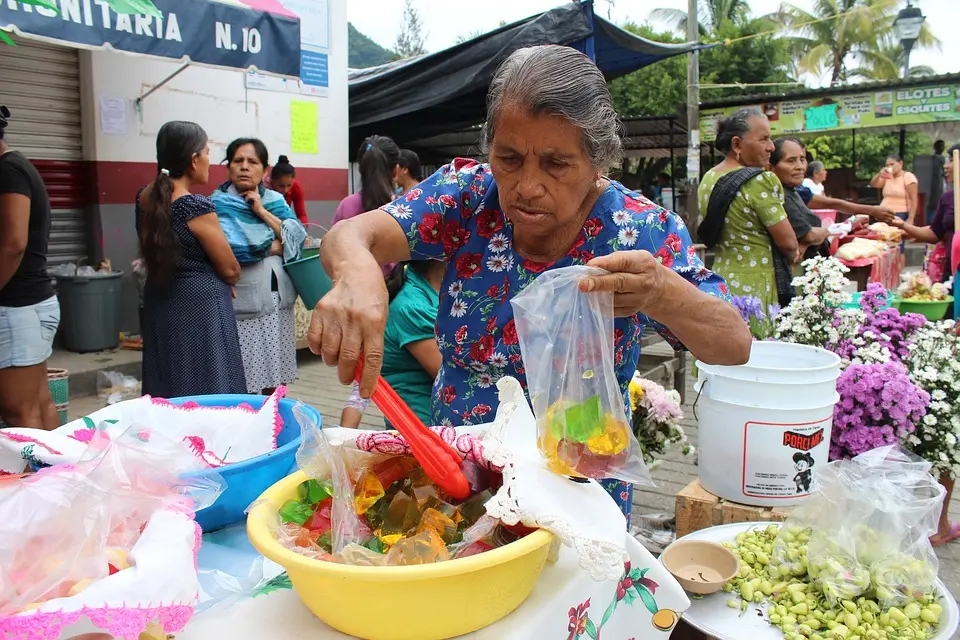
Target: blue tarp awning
{"type": "Point", "coordinates": [446, 91]}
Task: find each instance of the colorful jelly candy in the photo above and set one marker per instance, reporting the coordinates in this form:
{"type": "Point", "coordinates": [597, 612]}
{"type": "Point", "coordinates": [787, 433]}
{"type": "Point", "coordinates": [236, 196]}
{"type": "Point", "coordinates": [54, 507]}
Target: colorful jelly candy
{"type": "Point", "coordinates": [321, 519]}
{"type": "Point", "coordinates": [472, 509]}
{"type": "Point", "coordinates": [314, 491]}
{"type": "Point", "coordinates": [614, 440]}
{"type": "Point", "coordinates": [393, 470]}
{"type": "Point", "coordinates": [368, 491]}
{"type": "Point", "coordinates": [402, 516]}
{"type": "Point", "coordinates": [445, 527]}
{"type": "Point", "coordinates": [474, 548]}
{"type": "Point", "coordinates": [425, 547]}
{"type": "Point", "coordinates": [296, 512]}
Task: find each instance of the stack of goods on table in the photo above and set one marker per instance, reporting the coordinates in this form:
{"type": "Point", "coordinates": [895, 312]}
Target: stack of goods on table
{"type": "Point", "coordinates": [869, 243]}
{"type": "Point", "coordinates": [392, 514]}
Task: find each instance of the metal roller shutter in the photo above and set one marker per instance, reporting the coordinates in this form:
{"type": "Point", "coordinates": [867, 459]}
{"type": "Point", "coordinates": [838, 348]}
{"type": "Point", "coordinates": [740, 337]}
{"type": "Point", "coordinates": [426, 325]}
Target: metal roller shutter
{"type": "Point", "coordinates": [40, 84]}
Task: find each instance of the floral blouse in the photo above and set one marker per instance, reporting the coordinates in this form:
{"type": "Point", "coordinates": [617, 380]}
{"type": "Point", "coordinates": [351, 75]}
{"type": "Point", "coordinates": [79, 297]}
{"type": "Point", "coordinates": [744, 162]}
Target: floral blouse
{"type": "Point", "coordinates": [454, 216]}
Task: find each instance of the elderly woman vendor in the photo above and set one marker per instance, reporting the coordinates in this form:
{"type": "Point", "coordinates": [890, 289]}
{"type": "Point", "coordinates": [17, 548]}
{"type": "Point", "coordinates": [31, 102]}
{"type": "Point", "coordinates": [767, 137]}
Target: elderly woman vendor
{"type": "Point", "coordinates": [541, 203]}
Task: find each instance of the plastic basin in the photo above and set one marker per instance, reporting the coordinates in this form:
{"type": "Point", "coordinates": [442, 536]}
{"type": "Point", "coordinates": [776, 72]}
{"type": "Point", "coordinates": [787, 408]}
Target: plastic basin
{"type": "Point", "coordinates": [248, 479]}
{"type": "Point", "coordinates": [932, 310]}
{"type": "Point", "coordinates": [426, 602]}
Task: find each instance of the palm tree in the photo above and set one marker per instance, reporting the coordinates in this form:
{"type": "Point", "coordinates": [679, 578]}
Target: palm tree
{"type": "Point", "coordinates": [825, 40]}
{"type": "Point", "coordinates": [711, 14]}
{"type": "Point", "coordinates": [884, 61]}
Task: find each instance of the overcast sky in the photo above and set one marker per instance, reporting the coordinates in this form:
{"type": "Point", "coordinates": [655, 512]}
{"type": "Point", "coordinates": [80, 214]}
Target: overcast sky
{"type": "Point", "coordinates": [445, 20]}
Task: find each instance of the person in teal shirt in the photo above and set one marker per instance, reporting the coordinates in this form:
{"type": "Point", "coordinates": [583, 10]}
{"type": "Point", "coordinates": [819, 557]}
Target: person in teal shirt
{"type": "Point", "coordinates": [411, 357]}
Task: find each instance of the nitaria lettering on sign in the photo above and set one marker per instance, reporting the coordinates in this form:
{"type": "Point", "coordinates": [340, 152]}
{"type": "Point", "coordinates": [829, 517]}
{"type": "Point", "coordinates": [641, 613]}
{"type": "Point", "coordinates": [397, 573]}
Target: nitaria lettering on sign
{"type": "Point", "coordinates": [97, 13]}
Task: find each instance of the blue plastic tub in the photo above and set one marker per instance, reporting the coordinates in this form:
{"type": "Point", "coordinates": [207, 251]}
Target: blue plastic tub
{"type": "Point", "coordinates": [248, 479]}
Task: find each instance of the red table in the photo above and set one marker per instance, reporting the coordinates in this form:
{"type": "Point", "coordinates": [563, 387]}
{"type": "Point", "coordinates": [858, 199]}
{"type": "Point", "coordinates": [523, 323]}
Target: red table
{"type": "Point", "coordinates": [884, 269]}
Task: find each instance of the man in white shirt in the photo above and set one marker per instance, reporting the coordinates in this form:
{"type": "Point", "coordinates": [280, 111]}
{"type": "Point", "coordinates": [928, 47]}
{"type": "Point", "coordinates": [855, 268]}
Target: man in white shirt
{"type": "Point", "coordinates": [816, 174]}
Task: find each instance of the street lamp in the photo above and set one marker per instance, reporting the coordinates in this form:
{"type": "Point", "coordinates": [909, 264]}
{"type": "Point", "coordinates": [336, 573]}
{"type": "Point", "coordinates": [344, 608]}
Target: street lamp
{"type": "Point", "coordinates": [907, 28]}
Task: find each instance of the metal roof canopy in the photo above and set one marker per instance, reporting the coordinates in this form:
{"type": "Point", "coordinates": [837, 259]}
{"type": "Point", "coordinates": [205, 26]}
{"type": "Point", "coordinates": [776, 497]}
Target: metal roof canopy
{"type": "Point", "coordinates": [643, 137]}
{"type": "Point", "coordinates": [425, 98]}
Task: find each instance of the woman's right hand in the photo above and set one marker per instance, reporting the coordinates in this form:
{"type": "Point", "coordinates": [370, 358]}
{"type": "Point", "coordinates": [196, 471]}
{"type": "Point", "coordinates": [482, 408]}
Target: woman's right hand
{"type": "Point", "coordinates": [350, 320]}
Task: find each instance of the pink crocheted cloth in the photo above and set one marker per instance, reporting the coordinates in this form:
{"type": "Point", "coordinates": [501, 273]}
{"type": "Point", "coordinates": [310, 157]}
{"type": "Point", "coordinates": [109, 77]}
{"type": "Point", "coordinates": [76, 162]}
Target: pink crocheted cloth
{"type": "Point", "coordinates": [126, 622]}
{"type": "Point", "coordinates": [391, 443]}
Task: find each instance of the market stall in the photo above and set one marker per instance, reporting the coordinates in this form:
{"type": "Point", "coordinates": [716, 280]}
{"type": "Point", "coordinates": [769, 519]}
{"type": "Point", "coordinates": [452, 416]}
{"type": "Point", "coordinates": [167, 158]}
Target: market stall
{"type": "Point", "coordinates": [504, 523]}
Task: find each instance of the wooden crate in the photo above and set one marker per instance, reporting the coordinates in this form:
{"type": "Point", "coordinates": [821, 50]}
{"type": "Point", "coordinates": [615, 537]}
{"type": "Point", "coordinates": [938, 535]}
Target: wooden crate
{"type": "Point", "coordinates": [698, 509]}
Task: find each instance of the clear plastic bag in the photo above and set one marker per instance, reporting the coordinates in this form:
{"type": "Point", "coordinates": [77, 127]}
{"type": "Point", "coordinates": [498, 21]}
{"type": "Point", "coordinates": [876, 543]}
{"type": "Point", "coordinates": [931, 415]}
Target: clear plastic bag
{"type": "Point", "coordinates": [566, 338]}
{"type": "Point", "coordinates": [865, 529]}
{"type": "Point", "coordinates": [114, 387]}
{"type": "Point", "coordinates": [64, 527]}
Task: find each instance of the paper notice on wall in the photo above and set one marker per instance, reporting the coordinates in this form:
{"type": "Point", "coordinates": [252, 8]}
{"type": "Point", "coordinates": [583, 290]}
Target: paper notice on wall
{"type": "Point", "coordinates": [113, 116]}
{"type": "Point", "coordinates": [303, 127]}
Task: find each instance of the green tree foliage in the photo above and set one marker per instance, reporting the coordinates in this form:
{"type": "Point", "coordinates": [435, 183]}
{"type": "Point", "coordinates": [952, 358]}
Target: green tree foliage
{"type": "Point", "coordinates": [410, 38]}
{"type": "Point", "coordinates": [656, 89]}
{"type": "Point", "coordinates": [661, 88]}
{"type": "Point", "coordinates": [872, 149]}
{"type": "Point", "coordinates": [759, 59]}
{"type": "Point", "coordinates": [711, 14]}
{"type": "Point", "coordinates": [854, 31]}
{"type": "Point", "coordinates": [362, 52]}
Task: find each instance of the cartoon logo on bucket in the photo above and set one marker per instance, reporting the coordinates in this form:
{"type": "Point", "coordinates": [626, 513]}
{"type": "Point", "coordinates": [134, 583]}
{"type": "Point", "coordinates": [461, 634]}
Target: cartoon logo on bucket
{"type": "Point", "coordinates": [778, 459]}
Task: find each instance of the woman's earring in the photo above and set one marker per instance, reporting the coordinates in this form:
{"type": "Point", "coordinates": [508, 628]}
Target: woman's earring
{"type": "Point", "coordinates": [738, 157]}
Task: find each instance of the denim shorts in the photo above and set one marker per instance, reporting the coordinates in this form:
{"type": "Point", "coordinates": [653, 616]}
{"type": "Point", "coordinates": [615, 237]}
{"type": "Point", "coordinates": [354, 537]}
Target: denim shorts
{"type": "Point", "coordinates": [26, 333]}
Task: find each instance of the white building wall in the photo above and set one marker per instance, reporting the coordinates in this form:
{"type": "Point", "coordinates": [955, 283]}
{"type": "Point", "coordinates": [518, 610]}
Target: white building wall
{"type": "Point", "coordinates": [216, 99]}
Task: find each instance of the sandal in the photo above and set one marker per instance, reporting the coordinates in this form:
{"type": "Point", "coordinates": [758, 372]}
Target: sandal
{"type": "Point", "coordinates": [952, 534]}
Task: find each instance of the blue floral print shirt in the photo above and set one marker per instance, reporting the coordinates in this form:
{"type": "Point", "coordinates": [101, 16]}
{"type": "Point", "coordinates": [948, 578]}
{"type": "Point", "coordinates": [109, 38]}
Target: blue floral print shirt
{"type": "Point", "coordinates": [454, 216]}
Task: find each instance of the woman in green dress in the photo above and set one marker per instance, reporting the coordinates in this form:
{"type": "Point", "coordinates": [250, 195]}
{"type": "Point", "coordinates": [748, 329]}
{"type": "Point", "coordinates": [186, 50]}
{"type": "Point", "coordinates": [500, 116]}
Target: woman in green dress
{"type": "Point", "coordinates": [748, 222]}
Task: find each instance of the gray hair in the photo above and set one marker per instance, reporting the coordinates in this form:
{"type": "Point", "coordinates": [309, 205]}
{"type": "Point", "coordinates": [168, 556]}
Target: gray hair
{"type": "Point", "coordinates": [814, 167]}
{"type": "Point", "coordinates": [736, 125]}
{"type": "Point", "coordinates": [555, 80]}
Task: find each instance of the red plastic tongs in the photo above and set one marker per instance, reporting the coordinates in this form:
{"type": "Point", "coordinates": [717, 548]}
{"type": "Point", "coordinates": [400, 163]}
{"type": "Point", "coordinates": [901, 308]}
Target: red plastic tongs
{"type": "Point", "coordinates": [438, 459]}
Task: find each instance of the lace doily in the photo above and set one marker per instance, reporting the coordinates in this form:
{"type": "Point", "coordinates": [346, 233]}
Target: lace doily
{"type": "Point", "coordinates": [581, 515]}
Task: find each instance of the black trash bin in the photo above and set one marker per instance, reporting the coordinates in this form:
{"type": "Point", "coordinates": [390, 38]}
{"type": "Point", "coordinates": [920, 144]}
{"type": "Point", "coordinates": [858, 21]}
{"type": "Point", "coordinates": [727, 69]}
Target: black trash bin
{"type": "Point", "coordinates": [90, 311]}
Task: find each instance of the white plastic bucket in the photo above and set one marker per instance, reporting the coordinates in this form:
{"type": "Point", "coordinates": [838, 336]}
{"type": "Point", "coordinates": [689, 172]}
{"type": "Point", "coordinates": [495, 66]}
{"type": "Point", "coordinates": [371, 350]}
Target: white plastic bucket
{"type": "Point", "coordinates": [765, 425]}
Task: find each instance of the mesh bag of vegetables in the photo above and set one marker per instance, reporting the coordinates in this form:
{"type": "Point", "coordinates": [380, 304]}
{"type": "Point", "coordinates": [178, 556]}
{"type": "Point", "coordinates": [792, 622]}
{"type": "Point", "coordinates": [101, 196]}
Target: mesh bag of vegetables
{"type": "Point", "coordinates": [865, 529]}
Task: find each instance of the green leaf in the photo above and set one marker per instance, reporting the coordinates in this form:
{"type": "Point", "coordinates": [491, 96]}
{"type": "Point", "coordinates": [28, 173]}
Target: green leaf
{"type": "Point", "coordinates": [42, 3]}
{"type": "Point", "coordinates": [88, 423]}
{"type": "Point", "coordinates": [636, 573]}
{"type": "Point", "coordinates": [282, 581]}
{"type": "Point", "coordinates": [135, 7]}
{"type": "Point", "coordinates": [609, 612]}
{"type": "Point", "coordinates": [591, 629]}
{"type": "Point", "coordinates": [648, 600]}
{"type": "Point", "coordinates": [5, 38]}
{"type": "Point", "coordinates": [630, 596]}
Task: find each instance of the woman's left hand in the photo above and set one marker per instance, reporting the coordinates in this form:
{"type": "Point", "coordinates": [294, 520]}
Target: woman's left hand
{"type": "Point", "coordinates": [636, 279]}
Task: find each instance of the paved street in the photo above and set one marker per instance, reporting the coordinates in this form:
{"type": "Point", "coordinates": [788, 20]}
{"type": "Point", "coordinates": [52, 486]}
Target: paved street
{"type": "Point", "coordinates": [317, 385]}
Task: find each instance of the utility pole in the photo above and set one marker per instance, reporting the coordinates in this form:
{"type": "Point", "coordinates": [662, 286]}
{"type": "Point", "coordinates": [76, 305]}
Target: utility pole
{"type": "Point", "coordinates": [693, 119]}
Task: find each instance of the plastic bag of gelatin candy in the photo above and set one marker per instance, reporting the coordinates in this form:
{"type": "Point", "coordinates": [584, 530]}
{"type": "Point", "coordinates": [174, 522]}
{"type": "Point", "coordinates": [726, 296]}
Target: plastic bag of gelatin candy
{"type": "Point", "coordinates": [566, 339]}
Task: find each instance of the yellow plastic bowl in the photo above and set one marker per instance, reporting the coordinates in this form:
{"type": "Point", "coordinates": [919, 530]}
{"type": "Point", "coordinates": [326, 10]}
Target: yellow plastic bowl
{"type": "Point", "coordinates": [426, 602]}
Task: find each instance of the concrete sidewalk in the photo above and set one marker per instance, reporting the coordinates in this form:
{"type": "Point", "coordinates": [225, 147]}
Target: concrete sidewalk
{"type": "Point", "coordinates": [318, 386]}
